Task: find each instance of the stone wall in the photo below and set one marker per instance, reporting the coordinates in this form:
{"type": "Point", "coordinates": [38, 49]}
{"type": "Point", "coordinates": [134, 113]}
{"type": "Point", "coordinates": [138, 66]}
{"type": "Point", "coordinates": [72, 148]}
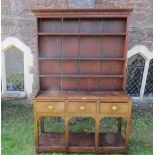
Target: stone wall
{"type": "Point", "coordinates": [19, 22]}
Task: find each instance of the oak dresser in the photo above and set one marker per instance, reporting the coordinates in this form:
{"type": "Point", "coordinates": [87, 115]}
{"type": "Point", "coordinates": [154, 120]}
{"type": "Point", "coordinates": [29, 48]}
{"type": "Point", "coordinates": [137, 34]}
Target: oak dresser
{"type": "Point", "coordinates": [82, 55]}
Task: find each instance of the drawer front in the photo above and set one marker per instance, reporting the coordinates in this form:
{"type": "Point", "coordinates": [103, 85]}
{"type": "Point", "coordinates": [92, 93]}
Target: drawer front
{"type": "Point", "coordinates": [50, 107]}
{"type": "Point", "coordinates": [81, 107]}
{"type": "Point", "coordinates": [114, 108]}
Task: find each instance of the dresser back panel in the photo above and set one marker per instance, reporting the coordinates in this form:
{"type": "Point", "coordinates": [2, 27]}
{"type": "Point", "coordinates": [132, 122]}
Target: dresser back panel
{"type": "Point", "coordinates": [82, 51]}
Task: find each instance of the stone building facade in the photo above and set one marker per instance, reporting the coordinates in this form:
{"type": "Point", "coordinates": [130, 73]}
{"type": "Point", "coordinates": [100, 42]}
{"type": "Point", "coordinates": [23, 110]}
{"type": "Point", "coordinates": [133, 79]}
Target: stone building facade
{"type": "Point", "coordinates": [19, 23]}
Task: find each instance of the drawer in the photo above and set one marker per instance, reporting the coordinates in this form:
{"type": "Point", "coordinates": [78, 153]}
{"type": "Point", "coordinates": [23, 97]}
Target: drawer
{"type": "Point", "coordinates": [114, 108]}
{"type": "Point", "coordinates": [81, 107]}
{"type": "Point", "coordinates": [50, 107]}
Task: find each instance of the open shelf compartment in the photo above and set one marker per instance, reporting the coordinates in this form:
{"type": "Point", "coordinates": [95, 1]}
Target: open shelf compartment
{"type": "Point", "coordinates": [56, 141]}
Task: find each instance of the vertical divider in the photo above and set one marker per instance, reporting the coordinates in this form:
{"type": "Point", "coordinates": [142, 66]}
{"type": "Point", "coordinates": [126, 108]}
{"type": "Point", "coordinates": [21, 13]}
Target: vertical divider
{"type": "Point", "coordinates": [125, 55]}
{"type": "Point", "coordinates": [112, 81]}
{"type": "Point", "coordinates": [101, 54]}
{"type": "Point", "coordinates": [61, 50]}
{"type": "Point", "coordinates": [79, 59]}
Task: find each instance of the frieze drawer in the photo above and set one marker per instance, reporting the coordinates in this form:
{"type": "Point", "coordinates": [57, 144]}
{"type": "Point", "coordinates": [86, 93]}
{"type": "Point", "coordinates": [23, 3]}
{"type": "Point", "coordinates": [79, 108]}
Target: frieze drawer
{"type": "Point", "coordinates": [50, 107]}
{"type": "Point", "coordinates": [114, 108]}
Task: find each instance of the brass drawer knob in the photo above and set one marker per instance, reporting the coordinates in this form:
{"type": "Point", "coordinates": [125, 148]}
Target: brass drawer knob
{"type": "Point", "coordinates": [50, 107]}
{"type": "Point", "coordinates": [82, 107]}
{"type": "Point", "coordinates": [114, 108]}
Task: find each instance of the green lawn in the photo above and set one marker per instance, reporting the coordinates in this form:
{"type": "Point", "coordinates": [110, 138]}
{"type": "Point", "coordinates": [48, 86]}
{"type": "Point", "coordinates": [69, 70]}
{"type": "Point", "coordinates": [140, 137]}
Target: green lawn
{"type": "Point", "coordinates": [18, 138]}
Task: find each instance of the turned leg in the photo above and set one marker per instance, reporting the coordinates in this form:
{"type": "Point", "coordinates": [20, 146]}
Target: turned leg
{"type": "Point", "coordinates": [42, 124]}
{"type": "Point", "coordinates": [119, 124]}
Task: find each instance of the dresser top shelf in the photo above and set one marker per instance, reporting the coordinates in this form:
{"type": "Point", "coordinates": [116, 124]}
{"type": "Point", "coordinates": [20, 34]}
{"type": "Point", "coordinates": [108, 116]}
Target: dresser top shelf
{"type": "Point", "coordinates": [70, 95]}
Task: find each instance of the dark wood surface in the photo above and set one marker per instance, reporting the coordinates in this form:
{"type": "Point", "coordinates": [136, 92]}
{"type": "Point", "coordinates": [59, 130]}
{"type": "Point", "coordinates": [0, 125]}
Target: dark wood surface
{"type": "Point", "coordinates": [81, 139]}
{"type": "Point", "coordinates": [82, 73]}
{"type": "Point", "coordinates": [104, 96]}
{"type": "Point", "coordinates": [81, 53]}
{"type": "Point", "coordinates": [82, 13]}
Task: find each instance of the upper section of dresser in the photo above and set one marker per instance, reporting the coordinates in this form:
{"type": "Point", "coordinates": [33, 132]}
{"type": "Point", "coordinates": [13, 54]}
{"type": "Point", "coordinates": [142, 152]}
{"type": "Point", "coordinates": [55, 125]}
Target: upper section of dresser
{"type": "Point", "coordinates": [82, 49]}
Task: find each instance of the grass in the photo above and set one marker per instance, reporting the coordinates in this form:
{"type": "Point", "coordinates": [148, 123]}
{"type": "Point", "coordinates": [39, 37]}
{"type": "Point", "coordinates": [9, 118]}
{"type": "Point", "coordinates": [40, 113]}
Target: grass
{"type": "Point", "coordinates": [17, 136]}
{"type": "Point", "coordinates": [17, 78]}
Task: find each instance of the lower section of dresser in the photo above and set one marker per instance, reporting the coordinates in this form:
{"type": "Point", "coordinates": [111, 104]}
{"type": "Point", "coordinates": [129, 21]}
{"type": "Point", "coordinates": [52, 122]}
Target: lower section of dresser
{"type": "Point", "coordinates": [101, 140]}
{"type": "Point", "coordinates": [81, 142]}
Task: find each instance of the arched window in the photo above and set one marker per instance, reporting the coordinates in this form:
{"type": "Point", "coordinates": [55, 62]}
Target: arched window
{"type": "Point", "coordinates": [14, 68]}
{"type": "Point", "coordinates": [149, 81]}
{"type": "Point", "coordinates": [16, 62]}
{"type": "Point", "coordinates": [135, 69]}
{"type": "Point", "coordinates": [139, 58]}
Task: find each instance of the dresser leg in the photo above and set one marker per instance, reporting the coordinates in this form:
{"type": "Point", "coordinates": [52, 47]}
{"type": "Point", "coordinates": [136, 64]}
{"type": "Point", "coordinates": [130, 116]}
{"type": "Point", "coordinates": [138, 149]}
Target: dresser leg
{"type": "Point", "coordinates": [36, 132]}
{"type": "Point", "coordinates": [97, 129]}
{"type": "Point", "coordinates": [42, 124]}
{"type": "Point", "coordinates": [97, 135]}
{"type": "Point", "coordinates": [37, 152]}
{"type": "Point", "coordinates": [126, 150]}
{"type": "Point", "coordinates": [119, 124]}
{"type": "Point", "coordinates": [127, 131]}
{"type": "Point", "coordinates": [66, 133]}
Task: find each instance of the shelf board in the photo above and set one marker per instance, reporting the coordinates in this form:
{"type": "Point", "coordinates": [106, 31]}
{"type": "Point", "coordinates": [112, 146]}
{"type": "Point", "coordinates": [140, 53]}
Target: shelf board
{"type": "Point", "coordinates": [83, 59]}
{"type": "Point", "coordinates": [82, 139]}
{"type": "Point", "coordinates": [54, 141]}
{"type": "Point", "coordinates": [90, 76]}
{"type": "Point", "coordinates": [116, 140]}
{"type": "Point", "coordinates": [80, 34]}
{"type": "Point", "coordinates": [49, 139]}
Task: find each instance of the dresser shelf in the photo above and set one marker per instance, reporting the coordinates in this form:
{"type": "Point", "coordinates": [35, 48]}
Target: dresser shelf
{"type": "Point", "coordinates": [81, 34]}
{"type": "Point", "coordinates": [85, 59]}
{"type": "Point", "coordinates": [85, 141]}
{"type": "Point", "coordinates": [82, 76]}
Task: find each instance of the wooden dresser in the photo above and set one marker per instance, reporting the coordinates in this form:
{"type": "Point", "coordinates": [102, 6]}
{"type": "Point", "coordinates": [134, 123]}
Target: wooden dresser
{"type": "Point", "coordinates": [82, 71]}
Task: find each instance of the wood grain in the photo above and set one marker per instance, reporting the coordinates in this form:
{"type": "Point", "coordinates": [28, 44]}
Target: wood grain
{"type": "Point", "coordinates": [82, 73]}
